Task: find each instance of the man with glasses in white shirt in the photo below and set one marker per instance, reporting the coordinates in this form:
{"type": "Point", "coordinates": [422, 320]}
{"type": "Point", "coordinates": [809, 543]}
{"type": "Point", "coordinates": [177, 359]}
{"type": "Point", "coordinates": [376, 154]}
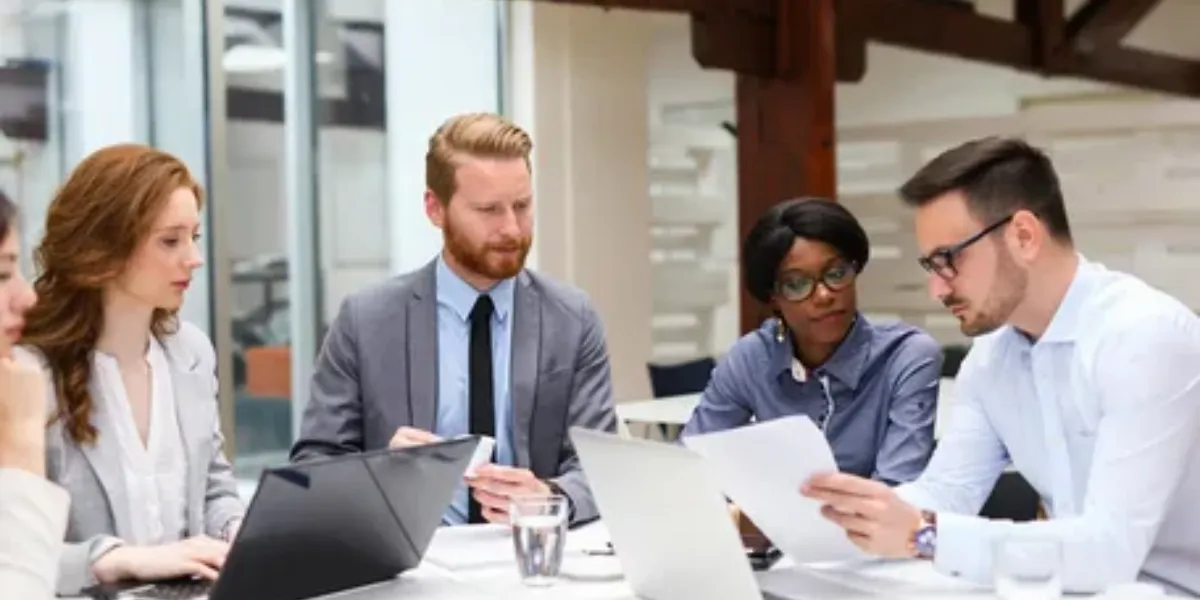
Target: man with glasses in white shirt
{"type": "Point", "coordinates": [1086, 380]}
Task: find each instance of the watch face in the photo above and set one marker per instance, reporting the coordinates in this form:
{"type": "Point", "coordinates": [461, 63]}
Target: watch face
{"type": "Point", "coordinates": [926, 541]}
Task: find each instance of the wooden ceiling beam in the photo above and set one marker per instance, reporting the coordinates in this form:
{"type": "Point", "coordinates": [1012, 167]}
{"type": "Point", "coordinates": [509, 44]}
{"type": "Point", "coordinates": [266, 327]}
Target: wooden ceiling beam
{"type": "Point", "coordinates": [755, 8]}
{"type": "Point", "coordinates": [745, 36]}
{"type": "Point", "coordinates": [756, 46]}
{"type": "Point", "coordinates": [738, 43]}
{"type": "Point", "coordinates": [1105, 23]}
{"type": "Point", "coordinates": [941, 29]}
{"type": "Point", "coordinates": [1138, 68]}
{"type": "Point", "coordinates": [1047, 22]}
{"type": "Point", "coordinates": [1032, 43]}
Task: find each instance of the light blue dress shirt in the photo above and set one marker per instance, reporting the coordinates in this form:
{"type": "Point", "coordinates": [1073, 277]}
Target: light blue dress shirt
{"type": "Point", "coordinates": [455, 299]}
{"type": "Point", "coordinates": [1101, 415]}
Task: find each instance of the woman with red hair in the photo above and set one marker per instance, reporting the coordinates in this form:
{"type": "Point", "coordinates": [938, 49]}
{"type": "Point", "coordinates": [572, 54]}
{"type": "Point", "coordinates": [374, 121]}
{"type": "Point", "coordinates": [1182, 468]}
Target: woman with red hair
{"type": "Point", "coordinates": [135, 436]}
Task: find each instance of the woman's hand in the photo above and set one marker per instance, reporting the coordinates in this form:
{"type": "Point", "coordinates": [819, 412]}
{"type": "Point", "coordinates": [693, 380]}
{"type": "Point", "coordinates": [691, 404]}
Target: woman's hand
{"type": "Point", "coordinates": [22, 417]}
{"type": "Point", "coordinates": [199, 556]}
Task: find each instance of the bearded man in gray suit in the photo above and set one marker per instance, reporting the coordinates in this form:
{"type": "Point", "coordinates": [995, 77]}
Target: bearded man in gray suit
{"type": "Point", "coordinates": [472, 343]}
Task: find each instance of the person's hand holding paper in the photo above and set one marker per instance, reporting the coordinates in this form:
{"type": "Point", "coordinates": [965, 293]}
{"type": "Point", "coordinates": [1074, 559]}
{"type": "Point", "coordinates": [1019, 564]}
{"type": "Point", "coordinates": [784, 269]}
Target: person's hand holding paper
{"type": "Point", "coordinates": [874, 517]}
{"type": "Point", "coordinates": [760, 467]}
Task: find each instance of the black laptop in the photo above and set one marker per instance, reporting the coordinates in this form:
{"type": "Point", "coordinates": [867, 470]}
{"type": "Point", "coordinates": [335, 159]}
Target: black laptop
{"type": "Point", "coordinates": [330, 525]}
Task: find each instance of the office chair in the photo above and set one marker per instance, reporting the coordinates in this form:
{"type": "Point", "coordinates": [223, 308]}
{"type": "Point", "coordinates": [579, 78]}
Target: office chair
{"type": "Point", "coordinates": [689, 377]}
{"type": "Point", "coordinates": [1012, 498]}
{"type": "Point", "coordinates": [677, 379]}
{"type": "Point", "coordinates": [952, 358]}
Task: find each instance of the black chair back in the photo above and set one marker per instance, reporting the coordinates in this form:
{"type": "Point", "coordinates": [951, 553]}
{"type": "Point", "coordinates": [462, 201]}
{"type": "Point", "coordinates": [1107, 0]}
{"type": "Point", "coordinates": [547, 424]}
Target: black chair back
{"type": "Point", "coordinates": [689, 377]}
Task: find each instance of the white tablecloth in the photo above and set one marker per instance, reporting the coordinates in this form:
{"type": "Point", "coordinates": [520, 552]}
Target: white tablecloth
{"type": "Point", "coordinates": [476, 563]}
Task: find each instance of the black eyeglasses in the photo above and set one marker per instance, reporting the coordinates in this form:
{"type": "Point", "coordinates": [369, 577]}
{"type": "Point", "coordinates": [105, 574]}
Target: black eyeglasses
{"type": "Point", "coordinates": [795, 286]}
{"type": "Point", "coordinates": [941, 261]}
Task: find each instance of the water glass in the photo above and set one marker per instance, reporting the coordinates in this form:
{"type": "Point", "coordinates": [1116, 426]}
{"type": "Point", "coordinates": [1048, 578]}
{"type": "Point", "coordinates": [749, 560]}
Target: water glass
{"type": "Point", "coordinates": [1027, 568]}
{"type": "Point", "coordinates": [539, 531]}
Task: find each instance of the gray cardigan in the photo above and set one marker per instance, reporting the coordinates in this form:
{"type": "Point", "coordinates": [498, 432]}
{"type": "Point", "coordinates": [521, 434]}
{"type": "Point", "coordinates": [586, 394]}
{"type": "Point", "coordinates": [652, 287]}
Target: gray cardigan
{"type": "Point", "coordinates": [100, 513]}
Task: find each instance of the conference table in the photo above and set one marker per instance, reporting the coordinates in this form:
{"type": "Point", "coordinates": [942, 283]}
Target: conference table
{"type": "Point", "coordinates": [476, 563]}
{"type": "Point", "coordinates": [671, 410]}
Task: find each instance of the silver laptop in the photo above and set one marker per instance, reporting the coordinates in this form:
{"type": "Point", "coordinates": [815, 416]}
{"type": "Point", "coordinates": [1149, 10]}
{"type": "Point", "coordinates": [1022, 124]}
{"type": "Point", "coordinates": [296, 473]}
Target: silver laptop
{"type": "Point", "coordinates": [671, 529]}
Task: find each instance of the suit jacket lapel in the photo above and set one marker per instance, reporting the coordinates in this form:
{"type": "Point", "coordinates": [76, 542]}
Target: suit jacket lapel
{"type": "Point", "coordinates": [107, 462]}
{"type": "Point", "coordinates": [196, 415]}
{"type": "Point", "coordinates": [422, 349]}
{"type": "Point", "coordinates": [526, 346]}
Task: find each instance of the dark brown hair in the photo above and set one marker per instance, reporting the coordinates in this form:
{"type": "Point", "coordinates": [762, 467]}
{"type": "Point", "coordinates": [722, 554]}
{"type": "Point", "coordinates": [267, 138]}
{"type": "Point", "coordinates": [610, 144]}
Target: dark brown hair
{"type": "Point", "coordinates": [98, 219]}
{"type": "Point", "coordinates": [998, 176]}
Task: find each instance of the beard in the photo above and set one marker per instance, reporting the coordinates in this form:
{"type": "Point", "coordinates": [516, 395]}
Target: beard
{"type": "Point", "coordinates": [496, 261]}
{"type": "Point", "coordinates": [1007, 290]}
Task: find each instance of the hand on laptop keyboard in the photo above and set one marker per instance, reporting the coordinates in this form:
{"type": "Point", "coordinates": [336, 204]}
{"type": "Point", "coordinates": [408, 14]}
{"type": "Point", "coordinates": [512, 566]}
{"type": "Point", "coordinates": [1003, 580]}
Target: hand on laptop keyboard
{"type": "Point", "coordinates": [200, 556]}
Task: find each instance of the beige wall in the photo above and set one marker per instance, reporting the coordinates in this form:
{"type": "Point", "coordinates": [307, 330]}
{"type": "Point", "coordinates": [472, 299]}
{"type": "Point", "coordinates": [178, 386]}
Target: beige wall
{"type": "Point", "coordinates": [580, 79]}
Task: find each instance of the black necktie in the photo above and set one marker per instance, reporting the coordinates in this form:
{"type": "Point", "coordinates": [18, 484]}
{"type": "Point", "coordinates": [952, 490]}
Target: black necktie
{"type": "Point", "coordinates": [483, 411]}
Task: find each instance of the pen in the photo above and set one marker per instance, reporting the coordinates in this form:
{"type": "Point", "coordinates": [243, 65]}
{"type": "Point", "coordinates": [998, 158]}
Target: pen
{"type": "Point", "coordinates": [606, 551]}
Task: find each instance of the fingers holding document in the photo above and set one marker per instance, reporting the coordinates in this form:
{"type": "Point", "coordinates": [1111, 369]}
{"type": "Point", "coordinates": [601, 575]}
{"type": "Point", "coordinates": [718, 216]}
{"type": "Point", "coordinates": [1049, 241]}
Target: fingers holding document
{"type": "Point", "coordinates": [870, 512]}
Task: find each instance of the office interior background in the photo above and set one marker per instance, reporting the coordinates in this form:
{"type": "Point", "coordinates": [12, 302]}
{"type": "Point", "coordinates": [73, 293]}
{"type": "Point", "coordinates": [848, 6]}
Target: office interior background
{"type": "Point", "coordinates": [307, 122]}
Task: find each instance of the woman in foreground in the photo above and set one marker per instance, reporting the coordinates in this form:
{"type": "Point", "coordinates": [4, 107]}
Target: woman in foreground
{"type": "Point", "coordinates": [33, 512]}
{"type": "Point", "coordinates": [135, 436]}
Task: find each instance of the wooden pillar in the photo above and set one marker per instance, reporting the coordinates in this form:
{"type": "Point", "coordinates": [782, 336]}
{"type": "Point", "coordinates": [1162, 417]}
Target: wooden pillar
{"type": "Point", "coordinates": [785, 123]}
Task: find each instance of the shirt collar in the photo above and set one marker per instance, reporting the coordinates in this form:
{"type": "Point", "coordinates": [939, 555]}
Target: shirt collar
{"type": "Point", "coordinates": [848, 359]}
{"type": "Point", "coordinates": [1064, 325]}
{"type": "Point", "coordinates": [454, 292]}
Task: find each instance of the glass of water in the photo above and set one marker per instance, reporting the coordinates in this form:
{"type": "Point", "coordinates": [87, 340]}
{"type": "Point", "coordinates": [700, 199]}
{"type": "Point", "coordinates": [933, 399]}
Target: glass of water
{"type": "Point", "coordinates": [1027, 568]}
{"type": "Point", "coordinates": [539, 528]}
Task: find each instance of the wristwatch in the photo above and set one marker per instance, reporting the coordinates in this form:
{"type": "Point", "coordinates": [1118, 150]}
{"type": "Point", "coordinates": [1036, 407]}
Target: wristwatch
{"type": "Point", "coordinates": [925, 538]}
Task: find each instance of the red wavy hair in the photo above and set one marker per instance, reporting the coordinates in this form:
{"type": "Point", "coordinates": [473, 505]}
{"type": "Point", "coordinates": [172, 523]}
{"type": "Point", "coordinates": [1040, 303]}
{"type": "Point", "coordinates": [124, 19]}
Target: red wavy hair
{"type": "Point", "coordinates": [99, 218]}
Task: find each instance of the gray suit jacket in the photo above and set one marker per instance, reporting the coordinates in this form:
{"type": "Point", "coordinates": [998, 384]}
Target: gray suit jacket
{"type": "Point", "coordinates": [377, 372]}
{"type": "Point", "coordinates": [100, 513]}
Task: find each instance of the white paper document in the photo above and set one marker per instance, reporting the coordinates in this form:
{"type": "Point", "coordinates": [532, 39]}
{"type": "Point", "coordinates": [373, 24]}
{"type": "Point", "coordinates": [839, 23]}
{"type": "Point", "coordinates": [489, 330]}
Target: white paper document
{"type": "Point", "coordinates": [761, 467]}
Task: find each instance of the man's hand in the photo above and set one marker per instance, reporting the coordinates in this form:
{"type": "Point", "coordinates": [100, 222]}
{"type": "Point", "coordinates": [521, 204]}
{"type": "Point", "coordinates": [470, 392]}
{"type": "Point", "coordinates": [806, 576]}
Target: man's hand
{"type": "Point", "coordinates": [874, 517]}
{"type": "Point", "coordinates": [22, 417]}
{"type": "Point", "coordinates": [493, 486]}
{"type": "Point", "coordinates": [407, 437]}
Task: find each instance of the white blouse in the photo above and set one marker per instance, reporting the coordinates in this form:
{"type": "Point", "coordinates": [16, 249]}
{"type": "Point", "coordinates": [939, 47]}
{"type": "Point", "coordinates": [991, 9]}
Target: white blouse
{"type": "Point", "coordinates": [155, 472]}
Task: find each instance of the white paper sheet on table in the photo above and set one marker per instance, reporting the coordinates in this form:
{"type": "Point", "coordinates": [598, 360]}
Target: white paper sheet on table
{"type": "Point", "coordinates": [761, 467]}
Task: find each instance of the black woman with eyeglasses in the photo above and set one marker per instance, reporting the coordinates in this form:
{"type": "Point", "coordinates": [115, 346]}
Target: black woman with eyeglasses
{"type": "Point", "coordinates": [870, 387]}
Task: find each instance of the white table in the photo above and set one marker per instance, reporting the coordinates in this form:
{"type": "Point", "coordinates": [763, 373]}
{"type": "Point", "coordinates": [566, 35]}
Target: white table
{"type": "Point", "coordinates": [476, 563]}
{"type": "Point", "coordinates": [669, 410]}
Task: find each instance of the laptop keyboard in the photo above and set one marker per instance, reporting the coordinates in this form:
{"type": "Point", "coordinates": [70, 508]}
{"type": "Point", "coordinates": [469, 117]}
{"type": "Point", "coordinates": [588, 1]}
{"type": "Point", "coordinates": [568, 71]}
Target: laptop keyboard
{"type": "Point", "coordinates": [191, 590]}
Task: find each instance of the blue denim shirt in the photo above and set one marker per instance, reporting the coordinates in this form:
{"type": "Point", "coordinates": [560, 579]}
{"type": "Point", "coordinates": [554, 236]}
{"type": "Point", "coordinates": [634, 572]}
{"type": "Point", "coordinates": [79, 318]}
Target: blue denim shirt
{"type": "Point", "coordinates": [882, 382]}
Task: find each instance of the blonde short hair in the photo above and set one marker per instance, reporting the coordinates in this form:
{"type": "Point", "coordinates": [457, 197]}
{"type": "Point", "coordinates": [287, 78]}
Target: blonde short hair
{"type": "Point", "coordinates": [483, 135]}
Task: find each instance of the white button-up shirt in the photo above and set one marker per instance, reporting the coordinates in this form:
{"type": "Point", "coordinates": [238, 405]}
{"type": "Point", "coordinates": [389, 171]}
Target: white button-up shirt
{"type": "Point", "coordinates": [1101, 415]}
{"type": "Point", "coordinates": [155, 472]}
